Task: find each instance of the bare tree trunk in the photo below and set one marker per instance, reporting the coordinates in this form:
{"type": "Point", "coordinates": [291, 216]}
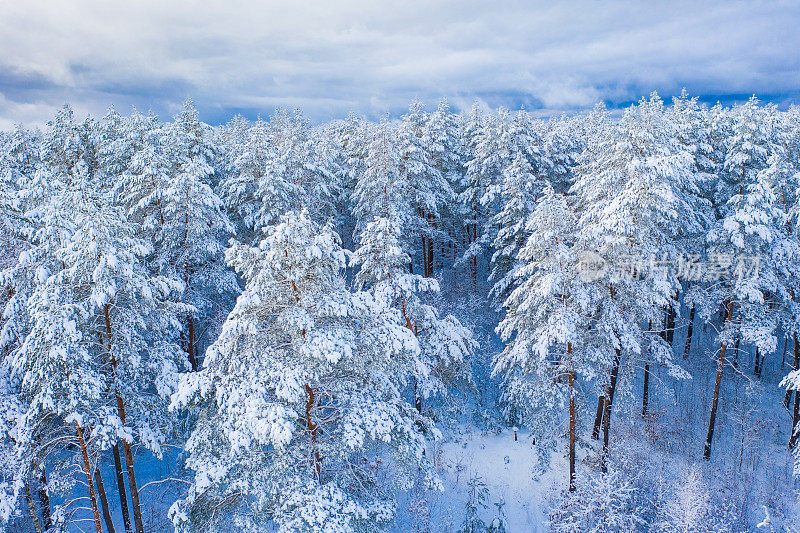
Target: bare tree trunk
{"type": "Point", "coordinates": [757, 365]}
{"type": "Point", "coordinates": [431, 245]}
{"type": "Point", "coordinates": [796, 412]}
{"type": "Point", "coordinates": [126, 447]}
{"type": "Point", "coordinates": [88, 470]}
{"type": "Point", "coordinates": [783, 357]}
{"type": "Point", "coordinates": [688, 347]}
{"type": "Point", "coordinates": [44, 500]}
{"type": "Point", "coordinates": [313, 429]}
{"type": "Point", "coordinates": [612, 386]}
{"type": "Point", "coordinates": [598, 417]}
{"type": "Point", "coordinates": [191, 343]}
{"type": "Point", "coordinates": [101, 492]}
{"type": "Point", "coordinates": [189, 319]}
{"type": "Point", "coordinates": [646, 386]}
{"type": "Point", "coordinates": [788, 397]}
{"type": "Point", "coordinates": [123, 498]}
{"type": "Point", "coordinates": [32, 509]}
{"type": "Point", "coordinates": [717, 381]}
{"type": "Point", "coordinates": [472, 236]}
{"type": "Point", "coordinates": [670, 323]}
{"type": "Point", "coordinates": [424, 257]}
{"type": "Point", "coordinates": [571, 375]}
{"type": "Point", "coordinates": [417, 398]}
{"type": "Point", "coordinates": [601, 401]}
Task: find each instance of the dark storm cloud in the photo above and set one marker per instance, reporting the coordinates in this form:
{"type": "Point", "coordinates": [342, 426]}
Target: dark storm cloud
{"type": "Point", "coordinates": [332, 57]}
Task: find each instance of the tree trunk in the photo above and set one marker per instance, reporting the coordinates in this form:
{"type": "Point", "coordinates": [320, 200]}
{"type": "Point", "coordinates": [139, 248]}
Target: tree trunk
{"type": "Point", "coordinates": [431, 244]}
{"type": "Point", "coordinates": [783, 357]}
{"type": "Point", "coordinates": [646, 386]}
{"type": "Point", "coordinates": [88, 470]}
{"type": "Point", "coordinates": [717, 381]}
{"type": "Point", "coordinates": [571, 374]}
{"type": "Point", "coordinates": [646, 389]}
{"type": "Point", "coordinates": [796, 412]}
{"type": "Point", "coordinates": [123, 498]}
{"type": "Point", "coordinates": [101, 492]}
{"type": "Point", "coordinates": [417, 398]}
{"type": "Point", "coordinates": [44, 500]}
{"type": "Point", "coordinates": [126, 447]}
{"type": "Point", "coordinates": [472, 236]}
{"type": "Point", "coordinates": [670, 323]}
{"type": "Point", "coordinates": [612, 386]}
{"type": "Point", "coordinates": [189, 319]}
{"type": "Point", "coordinates": [424, 257]}
{"type": "Point", "coordinates": [32, 509]}
{"type": "Point", "coordinates": [313, 430]}
{"type": "Point", "coordinates": [190, 344]}
{"type": "Point", "coordinates": [757, 364]}
{"type": "Point", "coordinates": [788, 397]}
{"type": "Point", "coordinates": [473, 267]}
{"type": "Point", "coordinates": [688, 347]}
{"type": "Point", "coordinates": [598, 417]}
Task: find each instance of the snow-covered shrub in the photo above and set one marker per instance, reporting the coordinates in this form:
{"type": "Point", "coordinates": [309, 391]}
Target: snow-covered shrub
{"type": "Point", "coordinates": [600, 503]}
{"type": "Point", "coordinates": [690, 508]}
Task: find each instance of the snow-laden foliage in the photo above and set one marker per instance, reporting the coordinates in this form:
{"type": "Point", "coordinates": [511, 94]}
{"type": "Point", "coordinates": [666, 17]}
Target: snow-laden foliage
{"type": "Point", "coordinates": [445, 344]}
{"type": "Point", "coordinates": [300, 397]}
{"type": "Point", "coordinates": [600, 504]}
{"type": "Point", "coordinates": [582, 251]}
{"type": "Point", "coordinates": [546, 323]}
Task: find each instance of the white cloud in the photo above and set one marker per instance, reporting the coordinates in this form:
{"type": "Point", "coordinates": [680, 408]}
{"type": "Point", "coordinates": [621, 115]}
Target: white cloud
{"type": "Point", "coordinates": [329, 57]}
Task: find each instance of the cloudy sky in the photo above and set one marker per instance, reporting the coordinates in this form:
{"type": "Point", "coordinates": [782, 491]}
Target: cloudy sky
{"type": "Point", "coordinates": [332, 57]}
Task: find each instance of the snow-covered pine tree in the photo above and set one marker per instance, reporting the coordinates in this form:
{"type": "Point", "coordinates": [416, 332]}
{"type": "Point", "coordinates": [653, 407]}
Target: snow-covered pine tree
{"type": "Point", "coordinates": [142, 185]}
{"type": "Point", "coordinates": [631, 192]}
{"type": "Point", "coordinates": [546, 325]}
{"type": "Point", "coordinates": [383, 193]}
{"type": "Point", "coordinates": [447, 155]}
{"type": "Point", "coordinates": [428, 188]}
{"type": "Point", "coordinates": [522, 183]}
{"type": "Point", "coordinates": [299, 398]}
{"type": "Point", "coordinates": [491, 150]}
{"type": "Point", "coordinates": [96, 315]}
{"type": "Point", "coordinates": [467, 197]}
{"type": "Point", "coordinates": [245, 161]}
{"type": "Point", "coordinates": [18, 164]}
{"type": "Point", "coordinates": [604, 503]}
{"type": "Point", "coordinates": [348, 146]}
{"type": "Point", "coordinates": [294, 174]}
{"type": "Point", "coordinates": [747, 243]}
{"type": "Point", "coordinates": [694, 132]}
{"type": "Point", "coordinates": [189, 243]}
{"type": "Point", "coordinates": [783, 172]}
{"type": "Point", "coordinates": [445, 344]}
{"type": "Point", "coordinates": [562, 147]}
{"type": "Point", "coordinates": [690, 508]}
{"type": "Point", "coordinates": [382, 189]}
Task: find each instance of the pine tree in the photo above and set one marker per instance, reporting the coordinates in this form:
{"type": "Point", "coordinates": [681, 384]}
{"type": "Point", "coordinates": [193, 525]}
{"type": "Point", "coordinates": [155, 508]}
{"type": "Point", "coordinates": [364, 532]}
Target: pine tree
{"type": "Point", "coordinates": [382, 189]}
{"type": "Point", "coordinates": [445, 344]}
{"type": "Point", "coordinates": [492, 149]}
{"type": "Point", "coordinates": [631, 186]}
{"type": "Point", "coordinates": [523, 181]}
{"type": "Point", "coordinates": [421, 166]}
{"type": "Point", "coordinates": [189, 243]}
{"type": "Point", "coordinates": [546, 323]}
{"type": "Point", "coordinates": [745, 242]}
{"type": "Point", "coordinates": [300, 393]}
